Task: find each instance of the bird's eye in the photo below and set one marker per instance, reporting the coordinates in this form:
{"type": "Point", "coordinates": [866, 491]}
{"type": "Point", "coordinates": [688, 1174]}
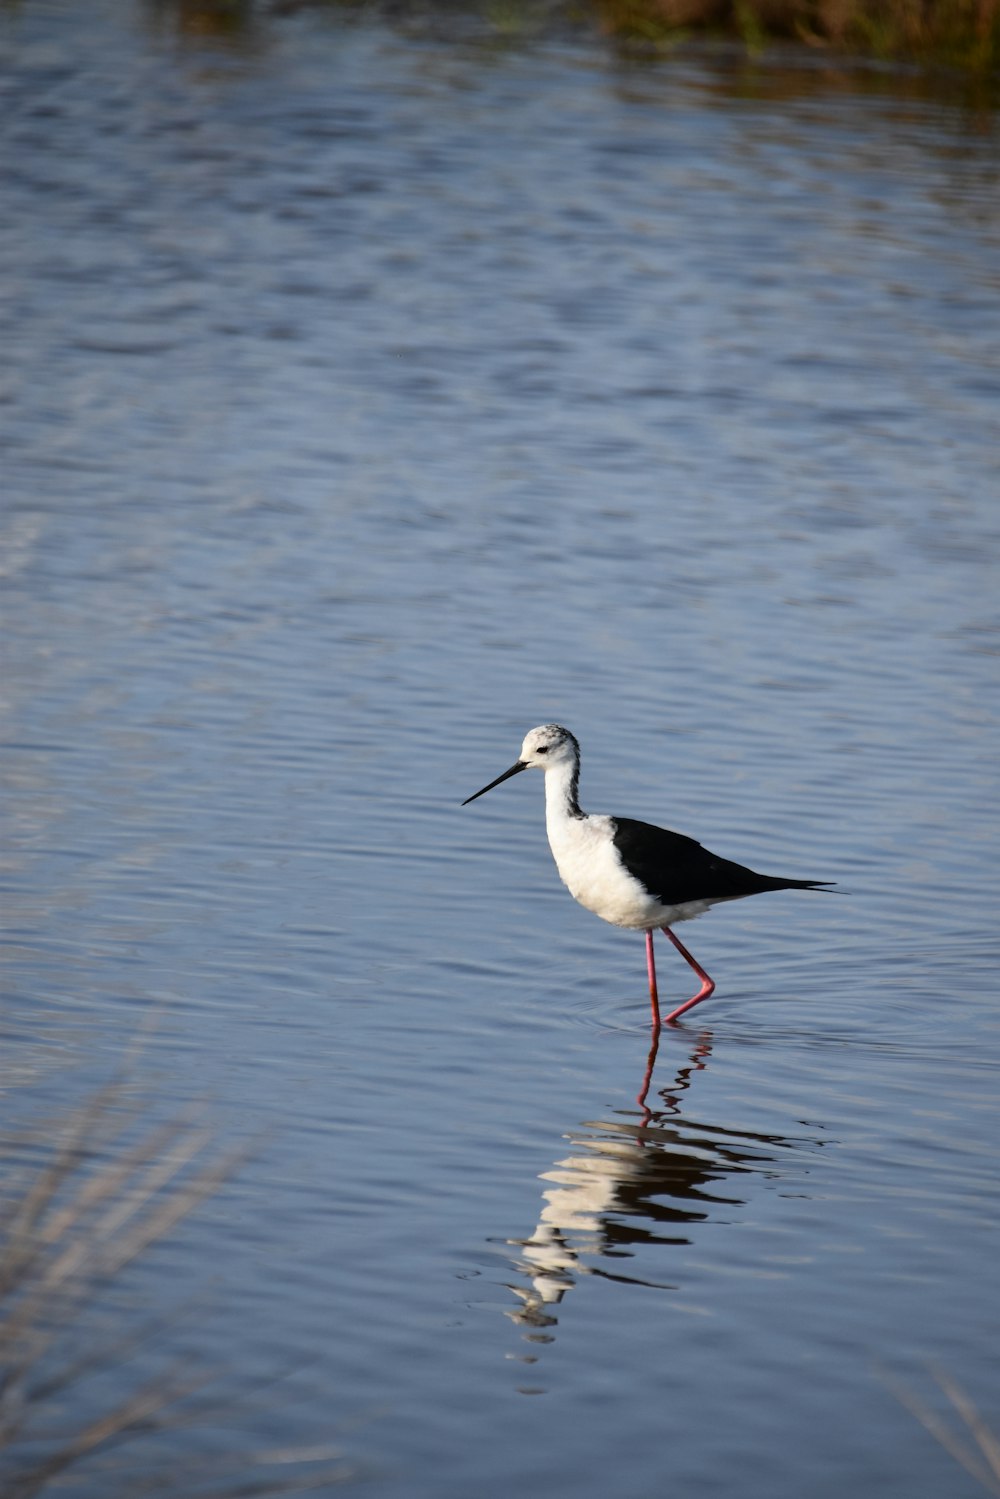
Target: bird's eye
{"type": "Point", "coordinates": [542, 749]}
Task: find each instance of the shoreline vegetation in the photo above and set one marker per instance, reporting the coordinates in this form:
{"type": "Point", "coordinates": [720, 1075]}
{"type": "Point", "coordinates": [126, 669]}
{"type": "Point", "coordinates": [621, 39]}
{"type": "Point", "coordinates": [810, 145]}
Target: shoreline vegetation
{"type": "Point", "coordinates": [84, 1366]}
{"type": "Point", "coordinates": [953, 34]}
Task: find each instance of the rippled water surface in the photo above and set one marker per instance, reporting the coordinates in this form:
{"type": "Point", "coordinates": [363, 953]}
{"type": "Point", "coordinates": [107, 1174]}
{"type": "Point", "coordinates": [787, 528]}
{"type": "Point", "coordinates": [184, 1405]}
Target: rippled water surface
{"type": "Point", "coordinates": [367, 398]}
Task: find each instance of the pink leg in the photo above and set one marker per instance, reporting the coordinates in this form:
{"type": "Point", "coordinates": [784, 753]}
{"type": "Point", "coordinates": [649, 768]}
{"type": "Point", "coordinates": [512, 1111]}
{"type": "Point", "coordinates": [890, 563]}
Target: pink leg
{"type": "Point", "coordinates": [654, 998]}
{"type": "Point", "coordinates": [707, 984]}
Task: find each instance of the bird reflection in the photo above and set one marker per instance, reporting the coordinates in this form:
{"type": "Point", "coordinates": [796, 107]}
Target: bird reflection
{"type": "Point", "coordinates": [627, 1183]}
{"type": "Point", "coordinates": [671, 1097]}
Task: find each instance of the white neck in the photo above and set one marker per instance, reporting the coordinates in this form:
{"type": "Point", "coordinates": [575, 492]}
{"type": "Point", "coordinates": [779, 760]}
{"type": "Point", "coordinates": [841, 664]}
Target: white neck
{"type": "Point", "coordinates": [560, 793]}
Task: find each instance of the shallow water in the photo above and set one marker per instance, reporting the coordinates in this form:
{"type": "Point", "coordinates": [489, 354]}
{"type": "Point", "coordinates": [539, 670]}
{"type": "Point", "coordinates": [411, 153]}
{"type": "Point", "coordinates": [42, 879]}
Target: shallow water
{"type": "Point", "coordinates": [367, 399]}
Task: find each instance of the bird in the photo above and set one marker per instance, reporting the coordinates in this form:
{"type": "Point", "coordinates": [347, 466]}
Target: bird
{"type": "Point", "coordinates": [630, 873]}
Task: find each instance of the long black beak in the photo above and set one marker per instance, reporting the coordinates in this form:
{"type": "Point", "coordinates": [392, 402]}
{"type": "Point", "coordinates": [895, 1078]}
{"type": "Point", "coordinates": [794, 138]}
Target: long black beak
{"type": "Point", "coordinates": [521, 765]}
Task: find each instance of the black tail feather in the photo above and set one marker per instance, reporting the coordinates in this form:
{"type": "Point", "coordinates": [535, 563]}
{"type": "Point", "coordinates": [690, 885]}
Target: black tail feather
{"type": "Point", "coordinates": [774, 884]}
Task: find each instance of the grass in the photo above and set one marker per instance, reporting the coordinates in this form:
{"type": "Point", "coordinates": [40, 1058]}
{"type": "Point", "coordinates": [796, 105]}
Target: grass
{"type": "Point", "coordinates": [956, 32]}
{"type": "Point", "coordinates": [970, 1441]}
{"type": "Point", "coordinates": [90, 1195]}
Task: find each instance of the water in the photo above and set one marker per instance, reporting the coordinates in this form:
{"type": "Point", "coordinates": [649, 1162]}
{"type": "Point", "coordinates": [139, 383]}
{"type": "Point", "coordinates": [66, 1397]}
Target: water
{"type": "Point", "coordinates": [368, 398]}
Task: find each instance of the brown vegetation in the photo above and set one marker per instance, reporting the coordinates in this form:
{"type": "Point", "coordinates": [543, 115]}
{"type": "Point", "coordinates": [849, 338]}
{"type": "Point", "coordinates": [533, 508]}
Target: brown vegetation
{"type": "Point", "coordinates": [955, 33]}
{"type": "Point", "coordinates": [82, 1198]}
{"type": "Point", "coordinates": [958, 32]}
{"type": "Point", "coordinates": [971, 1442]}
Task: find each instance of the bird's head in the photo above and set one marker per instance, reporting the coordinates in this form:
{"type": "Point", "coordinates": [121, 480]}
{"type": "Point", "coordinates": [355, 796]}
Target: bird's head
{"type": "Point", "coordinates": [544, 748]}
{"type": "Point", "coordinates": [550, 744]}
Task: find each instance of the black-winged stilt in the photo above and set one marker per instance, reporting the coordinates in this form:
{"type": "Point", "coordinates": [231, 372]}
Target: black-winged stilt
{"type": "Point", "coordinates": [631, 873]}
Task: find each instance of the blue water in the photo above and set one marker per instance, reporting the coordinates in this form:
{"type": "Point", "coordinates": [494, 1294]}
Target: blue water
{"type": "Point", "coordinates": [367, 398]}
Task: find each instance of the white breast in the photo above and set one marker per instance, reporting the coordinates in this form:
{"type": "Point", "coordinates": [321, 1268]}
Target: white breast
{"type": "Point", "coordinates": [590, 868]}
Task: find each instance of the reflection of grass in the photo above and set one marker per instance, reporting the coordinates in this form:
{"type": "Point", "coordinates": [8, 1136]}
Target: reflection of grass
{"type": "Point", "coordinates": [97, 1191]}
{"type": "Point", "coordinates": [974, 1445]}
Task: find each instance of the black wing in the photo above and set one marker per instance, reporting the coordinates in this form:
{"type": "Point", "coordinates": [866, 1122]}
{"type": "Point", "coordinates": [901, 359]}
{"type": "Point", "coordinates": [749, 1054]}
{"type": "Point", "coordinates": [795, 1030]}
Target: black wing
{"type": "Point", "coordinates": [677, 869]}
